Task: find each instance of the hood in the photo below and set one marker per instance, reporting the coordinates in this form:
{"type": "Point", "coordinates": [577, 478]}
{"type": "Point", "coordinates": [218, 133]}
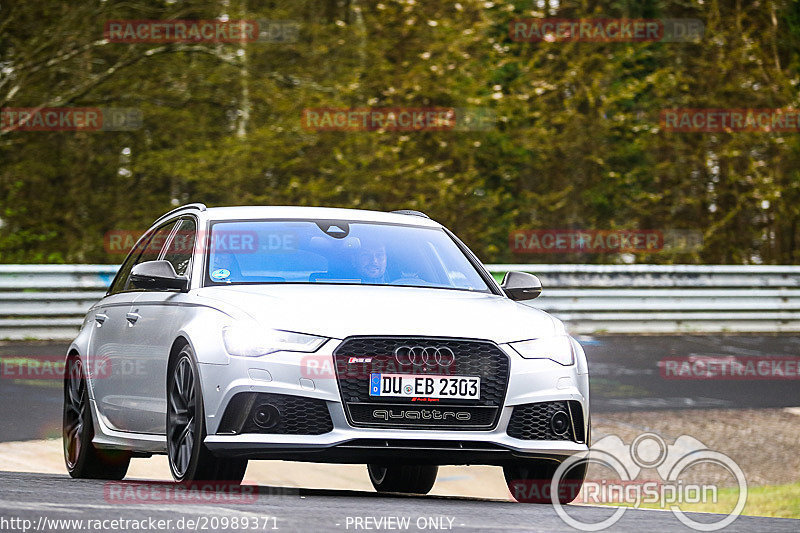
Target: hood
{"type": "Point", "coordinates": [339, 311]}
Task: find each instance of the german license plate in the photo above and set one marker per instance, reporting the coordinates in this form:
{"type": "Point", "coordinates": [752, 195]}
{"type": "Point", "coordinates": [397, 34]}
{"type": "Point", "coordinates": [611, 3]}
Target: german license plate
{"type": "Point", "coordinates": [409, 385]}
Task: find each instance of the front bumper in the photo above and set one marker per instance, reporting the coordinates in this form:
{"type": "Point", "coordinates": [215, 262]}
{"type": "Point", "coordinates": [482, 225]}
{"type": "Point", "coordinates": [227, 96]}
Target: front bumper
{"type": "Point", "coordinates": [313, 376]}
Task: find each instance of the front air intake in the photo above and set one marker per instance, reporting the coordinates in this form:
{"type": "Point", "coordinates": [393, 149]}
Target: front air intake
{"type": "Point", "coordinates": [284, 414]}
{"type": "Point", "coordinates": [560, 420]}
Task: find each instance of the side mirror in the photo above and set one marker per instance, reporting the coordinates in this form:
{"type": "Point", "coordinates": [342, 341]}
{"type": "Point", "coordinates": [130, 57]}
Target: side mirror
{"type": "Point", "coordinates": [521, 286]}
{"type": "Point", "coordinates": [158, 275]}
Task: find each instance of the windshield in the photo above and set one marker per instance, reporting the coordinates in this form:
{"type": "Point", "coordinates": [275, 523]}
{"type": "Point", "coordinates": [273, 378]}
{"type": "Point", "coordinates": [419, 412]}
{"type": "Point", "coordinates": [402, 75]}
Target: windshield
{"type": "Point", "coordinates": [327, 251]}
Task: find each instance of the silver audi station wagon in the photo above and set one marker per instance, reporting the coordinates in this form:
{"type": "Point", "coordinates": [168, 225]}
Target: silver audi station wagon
{"type": "Point", "coordinates": [327, 335]}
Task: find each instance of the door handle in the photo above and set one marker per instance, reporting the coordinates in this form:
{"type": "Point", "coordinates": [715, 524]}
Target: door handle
{"type": "Point", "coordinates": [133, 317]}
{"type": "Point", "coordinates": [100, 318]}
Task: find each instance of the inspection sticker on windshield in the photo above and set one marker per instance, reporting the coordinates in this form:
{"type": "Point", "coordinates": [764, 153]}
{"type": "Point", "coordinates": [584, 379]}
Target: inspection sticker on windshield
{"type": "Point", "coordinates": [410, 385]}
{"type": "Point", "coordinates": [220, 273]}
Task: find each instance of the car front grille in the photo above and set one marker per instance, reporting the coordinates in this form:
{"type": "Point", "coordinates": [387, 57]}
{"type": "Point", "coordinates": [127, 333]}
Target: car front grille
{"type": "Point", "coordinates": [296, 415]}
{"type": "Point", "coordinates": [358, 357]}
{"type": "Point", "coordinates": [532, 421]}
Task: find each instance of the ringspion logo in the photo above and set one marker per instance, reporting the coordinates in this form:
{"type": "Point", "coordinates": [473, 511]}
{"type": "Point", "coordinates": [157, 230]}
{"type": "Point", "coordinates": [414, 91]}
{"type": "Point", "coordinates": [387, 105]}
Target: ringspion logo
{"type": "Point", "coordinates": [625, 463]}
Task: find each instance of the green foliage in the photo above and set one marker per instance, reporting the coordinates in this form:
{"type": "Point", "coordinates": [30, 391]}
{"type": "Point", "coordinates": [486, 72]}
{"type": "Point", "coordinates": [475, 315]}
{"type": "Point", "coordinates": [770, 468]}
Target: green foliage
{"type": "Point", "coordinates": [576, 144]}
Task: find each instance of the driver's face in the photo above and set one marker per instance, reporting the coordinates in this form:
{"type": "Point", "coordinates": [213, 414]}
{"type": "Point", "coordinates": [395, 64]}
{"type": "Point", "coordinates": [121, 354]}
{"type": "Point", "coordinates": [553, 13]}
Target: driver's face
{"type": "Point", "coordinates": [371, 262]}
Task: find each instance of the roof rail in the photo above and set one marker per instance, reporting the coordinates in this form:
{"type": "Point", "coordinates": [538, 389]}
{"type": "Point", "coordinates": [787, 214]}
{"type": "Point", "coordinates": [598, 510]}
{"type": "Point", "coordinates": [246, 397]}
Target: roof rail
{"type": "Point", "coordinates": [196, 205]}
{"type": "Point", "coordinates": [411, 212]}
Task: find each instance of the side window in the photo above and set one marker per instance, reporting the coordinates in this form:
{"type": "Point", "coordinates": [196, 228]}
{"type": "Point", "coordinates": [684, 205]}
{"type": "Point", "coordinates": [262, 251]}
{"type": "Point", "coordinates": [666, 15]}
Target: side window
{"type": "Point", "coordinates": [179, 251]}
{"type": "Point", "coordinates": [121, 280]}
{"type": "Point", "coordinates": [153, 249]}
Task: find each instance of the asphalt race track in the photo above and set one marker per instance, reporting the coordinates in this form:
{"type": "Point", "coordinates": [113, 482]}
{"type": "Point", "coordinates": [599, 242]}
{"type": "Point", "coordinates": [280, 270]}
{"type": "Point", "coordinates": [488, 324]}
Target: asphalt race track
{"type": "Point", "coordinates": [624, 376]}
{"type": "Point", "coordinates": [31, 496]}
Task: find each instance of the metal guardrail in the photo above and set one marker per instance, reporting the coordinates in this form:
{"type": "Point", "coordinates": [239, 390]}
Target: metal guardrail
{"type": "Point", "coordinates": [49, 301]}
{"type": "Point", "coordinates": [668, 298]}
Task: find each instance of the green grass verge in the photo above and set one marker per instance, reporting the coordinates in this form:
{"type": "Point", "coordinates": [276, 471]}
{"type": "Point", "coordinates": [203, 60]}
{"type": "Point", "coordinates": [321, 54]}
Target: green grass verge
{"type": "Point", "coordinates": [779, 501]}
{"type": "Point", "coordinates": [39, 372]}
{"type": "Point", "coordinates": [46, 383]}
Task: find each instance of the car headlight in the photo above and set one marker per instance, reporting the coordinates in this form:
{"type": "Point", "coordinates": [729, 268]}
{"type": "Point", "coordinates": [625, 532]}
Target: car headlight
{"type": "Point", "coordinates": [557, 348]}
{"type": "Point", "coordinates": [251, 342]}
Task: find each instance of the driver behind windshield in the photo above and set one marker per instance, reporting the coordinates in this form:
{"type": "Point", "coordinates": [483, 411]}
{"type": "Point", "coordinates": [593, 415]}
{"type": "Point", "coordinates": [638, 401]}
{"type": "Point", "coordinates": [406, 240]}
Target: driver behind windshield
{"type": "Point", "coordinates": [371, 262]}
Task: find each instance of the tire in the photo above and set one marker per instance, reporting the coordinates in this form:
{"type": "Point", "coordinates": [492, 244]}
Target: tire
{"type": "Point", "coordinates": [189, 459]}
{"type": "Point", "coordinates": [412, 479]}
{"type": "Point", "coordinates": [529, 481]}
{"type": "Point", "coordinates": [82, 458]}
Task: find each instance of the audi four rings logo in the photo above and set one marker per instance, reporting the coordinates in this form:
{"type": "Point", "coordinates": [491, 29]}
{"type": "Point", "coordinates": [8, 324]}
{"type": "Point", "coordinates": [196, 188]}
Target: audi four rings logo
{"type": "Point", "coordinates": [424, 355]}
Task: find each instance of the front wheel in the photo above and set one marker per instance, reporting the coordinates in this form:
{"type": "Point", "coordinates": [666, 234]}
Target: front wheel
{"type": "Point", "coordinates": [189, 459]}
{"type": "Point", "coordinates": [412, 479]}
{"type": "Point", "coordinates": [83, 459]}
{"type": "Point", "coordinates": [530, 481]}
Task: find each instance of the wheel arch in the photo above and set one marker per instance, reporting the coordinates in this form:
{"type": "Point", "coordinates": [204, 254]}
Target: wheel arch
{"type": "Point", "coordinates": [179, 342]}
{"type": "Point", "coordinates": [177, 345]}
{"type": "Point", "coordinates": [74, 350]}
